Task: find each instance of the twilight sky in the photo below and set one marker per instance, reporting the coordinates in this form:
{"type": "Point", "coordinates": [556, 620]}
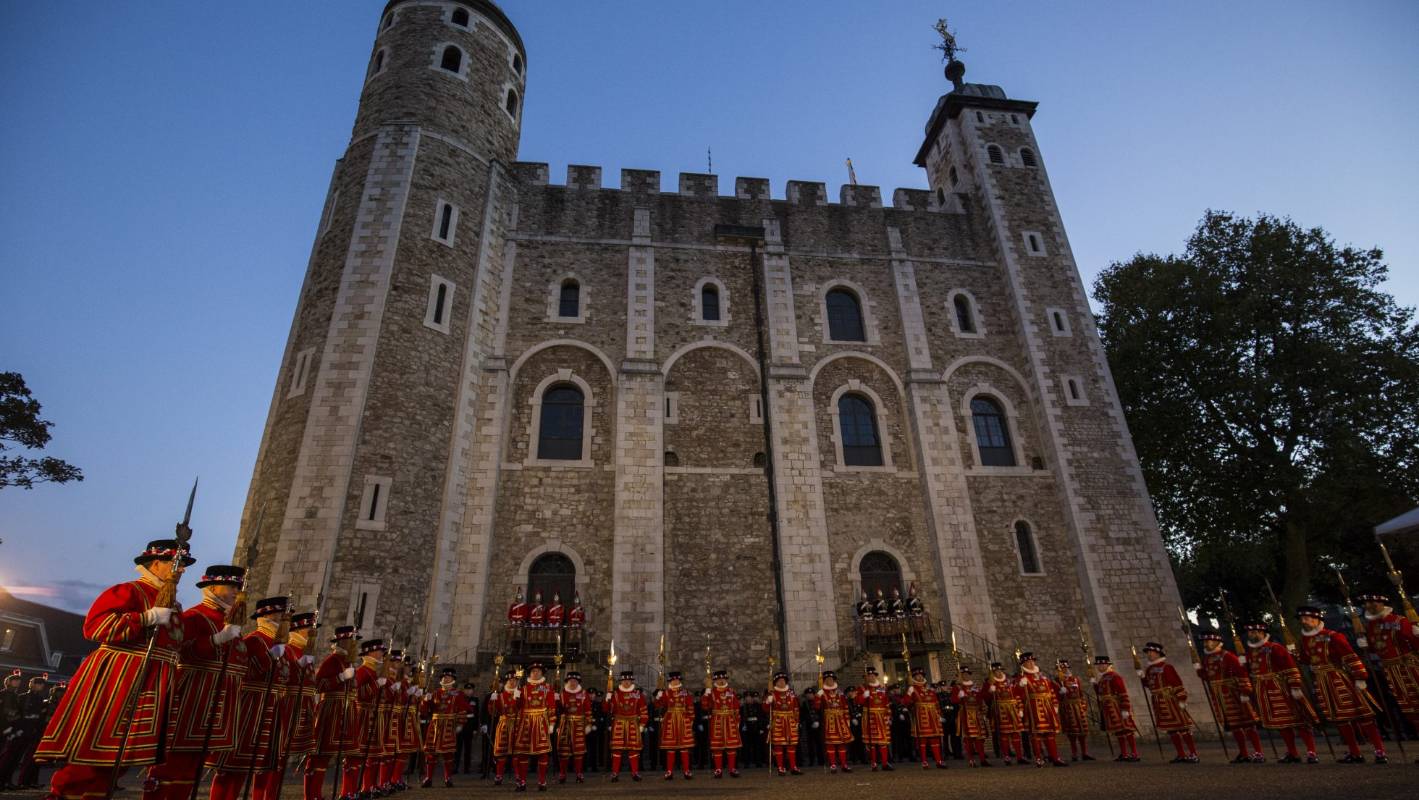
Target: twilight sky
{"type": "Point", "coordinates": [163, 163]}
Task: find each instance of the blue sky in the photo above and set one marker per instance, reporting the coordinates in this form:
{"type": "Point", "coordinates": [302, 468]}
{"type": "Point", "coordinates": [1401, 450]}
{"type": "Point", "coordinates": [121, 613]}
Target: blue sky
{"type": "Point", "coordinates": [162, 166]}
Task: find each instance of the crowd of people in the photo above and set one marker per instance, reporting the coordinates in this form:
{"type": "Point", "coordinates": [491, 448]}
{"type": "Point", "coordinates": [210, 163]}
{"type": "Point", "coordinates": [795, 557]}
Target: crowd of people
{"type": "Point", "coordinates": [187, 697]}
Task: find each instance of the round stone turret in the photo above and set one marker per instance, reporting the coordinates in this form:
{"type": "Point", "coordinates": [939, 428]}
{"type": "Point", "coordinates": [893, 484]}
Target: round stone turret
{"type": "Point", "coordinates": [456, 68]}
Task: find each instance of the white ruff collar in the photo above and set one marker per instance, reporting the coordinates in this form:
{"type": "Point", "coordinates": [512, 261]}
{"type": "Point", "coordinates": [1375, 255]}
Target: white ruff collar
{"type": "Point", "coordinates": [146, 576]}
{"type": "Point", "coordinates": [1313, 631]}
{"type": "Point", "coordinates": [536, 681]}
{"type": "Point", "coordinates": [577, 690]}
{"type": "Point", "coordinates": [1264, 639]}
{"type": "Point", "coordinates": [621, 688]}
{"type": "Point", "coordinates": [1032, 670]}
{"type": "Point", "coordinates": [1384, 613]}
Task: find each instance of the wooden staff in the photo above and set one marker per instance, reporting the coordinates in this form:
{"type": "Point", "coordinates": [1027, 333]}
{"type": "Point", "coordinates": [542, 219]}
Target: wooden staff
{"type": "Point", "coordinates": [1241, 652]}
{"type": "Point", "coordinates": [1357, 628]}
{"type": "Point", "coordinates": [1212, 703]}
{"type": "Point", "coordinates": [1093, 674]}
{"type": "Point", "coordinates": [260, 714]}
{"type": "Point", "coordinates": [1304, 707]}
{"type": "Point", "coordinates": [1397, 578]}
{"type": "Point", "coordinates": [1147, 699]}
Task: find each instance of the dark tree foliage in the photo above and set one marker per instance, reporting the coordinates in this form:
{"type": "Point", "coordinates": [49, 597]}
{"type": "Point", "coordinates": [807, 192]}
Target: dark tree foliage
{"type": "Point", "coordinates": [1272, 390]}
{"type": "Point", "coordinates": [20, 425]}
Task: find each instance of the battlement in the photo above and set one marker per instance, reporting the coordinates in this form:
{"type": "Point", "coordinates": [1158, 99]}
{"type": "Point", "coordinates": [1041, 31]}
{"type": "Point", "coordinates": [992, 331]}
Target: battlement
{"type": "Point", "coordinates": [705, 186]}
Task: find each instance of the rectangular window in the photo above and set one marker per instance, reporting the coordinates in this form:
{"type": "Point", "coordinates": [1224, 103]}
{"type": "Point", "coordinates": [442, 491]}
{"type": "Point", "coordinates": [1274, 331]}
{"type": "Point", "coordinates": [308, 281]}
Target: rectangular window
{"type": "Point", "coordinates": [1058, 321]}
{"type": "Point", "coordinates": [756, 410]}
{"type": "Point", "coordinates": [374, 503]}
{"type": "Point", "coordinates": [672, 408]}
{"type": "Point", "coordinates": [445, 222]}
{"type": "Point", "coordinates": [329, 214]}
{"type": "Point", "coordinates": [1034, 243]}
{"type": "Point", "coordinates": [1025, 541]}
{"type": "Point", "coordinates": [300, 371]}
{"type": "Point", "coordinates": [440, 306]}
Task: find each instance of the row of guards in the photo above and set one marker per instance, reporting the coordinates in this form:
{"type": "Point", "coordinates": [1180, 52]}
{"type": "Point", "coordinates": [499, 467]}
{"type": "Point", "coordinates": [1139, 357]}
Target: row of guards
{"type": "Point", "coordinates": [184, 693]}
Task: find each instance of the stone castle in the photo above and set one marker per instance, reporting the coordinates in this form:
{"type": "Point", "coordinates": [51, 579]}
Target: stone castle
{"type": "Point", "coordinates": [717, 418]}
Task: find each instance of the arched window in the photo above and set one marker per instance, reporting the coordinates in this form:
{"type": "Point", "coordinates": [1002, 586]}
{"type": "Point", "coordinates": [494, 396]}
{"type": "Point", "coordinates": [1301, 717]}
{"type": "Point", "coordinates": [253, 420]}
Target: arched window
{"type": "Point", "coordinates": [511, 105]}
{"type": "Point", "coordinates": [856, 419]}
{"type": "Point", "coordinates": [554, 575]}
{"type": "Point", "coordinates": [559, 431]}
{"type": "Point", "coordinates": [844, 317]}
{"type": "Point", "coordinates": [386, 22]}
{"type": "Point", "coordinates": [997, 156]}
{"type": "Point", "coordinates": [965, 320]}
{"type": "Point", "coordinates": [1027, 157]}
{"type": "Point", "coordinates": [992, 433]}
{"type": "Point", "coordinates": [941, 198]}
{"type": "Point", "coordinates": [517, 63]}
{"type": "Point", "coordinates": [879, 570]}
{"type": "Point", "coordinates": [709, 303]}
{"type": "Point", "coordinates": [569, 301]}
{"type": "Point", "coordinates": [1025, 542]}
{"type": "Point", "coordinates": [460, 17]}
{"type": "Point", "coordinates": [377, 66]}
{"type": "Point", "coordinates": [452, 59]}
{"type": "Point", "coordinates": [955, 178]}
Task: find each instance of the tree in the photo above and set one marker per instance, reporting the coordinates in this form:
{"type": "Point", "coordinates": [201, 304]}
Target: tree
{"type": "Point", "coordinates": [1273, 393]}
{"type": "Point", "coordinates": [20, 425]}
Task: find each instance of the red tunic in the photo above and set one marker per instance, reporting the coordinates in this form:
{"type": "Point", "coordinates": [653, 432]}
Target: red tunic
{"type": "Point", "coordinates": [1040, 697]}
{"type": "Point", "coordinates": [208, 682]}
{"type": "Point", "coordinates": [517, 613]}
{"type": "Point", "coordinates": [370, 734]}
{"type": "Point", "coordinates": [555, 612]}
{"type": "Point", "coordinates": [837, 715]}
{"type": "Point", "coordinates": [1006, 715]}
{"type": "Point", "coordinates": [876, 714]}
{"type": "Point", "coordinates": [1392, 638]}
{"type": "Point", "coordinates": [536, 713]}
{"type": "Point", "coordinates": [723, 708]}
{"type": "Point", "coordinates": [85, 726]}
{"type": "Point", "coordinates": [411, 739]}
{"type": "Point", "coordinates": [1168, 695]}
{"type": "Point", "coordinates": [1228, 683]}
{"type": "Point", "coordinates": [677, 719]}
{"type": "Point", "coordinates": [537, 617]}
{"type": "Point", "coordinates": [628, 714]}
{"type": "Point", "coordinates": [782, 707]}
{"type": "Point", "coordinates": [1335, 668]}
{"type": "Point", "coordinates": [1073, 706]}
{"type": "Point", "coordinates": [1115, 707]}
{"type": "Point", "coordinates": [504, 704]}
{"type": "Point", "coordinates": [926, 711]}
{"type": "Point", "coordinates": [575, 718]}
{"type": "Point", "coordinates": [576, 617]}
{"type": "Point", "coordinates": [447, 710]}
{"type": "Point", "coordinates": [337, 720]}
{"type": "Point", "coordinates": [972, 711]}
{"type": "Point", "coordinates": [1276, 677]}
{"type": "Point", "coordinates": [300, 693]}
{"type": "Point", "coordinates": [391, 714]}
{"type": "Point", "coordinates": [258, 713]}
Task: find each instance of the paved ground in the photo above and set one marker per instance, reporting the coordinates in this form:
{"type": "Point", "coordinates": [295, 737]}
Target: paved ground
{"type": "Point", "coordinates": [1211, 780]}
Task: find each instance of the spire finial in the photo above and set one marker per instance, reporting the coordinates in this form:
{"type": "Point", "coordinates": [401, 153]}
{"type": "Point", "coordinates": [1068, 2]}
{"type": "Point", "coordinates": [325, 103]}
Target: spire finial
{"type": "Point", "coordinates": [955, 70]}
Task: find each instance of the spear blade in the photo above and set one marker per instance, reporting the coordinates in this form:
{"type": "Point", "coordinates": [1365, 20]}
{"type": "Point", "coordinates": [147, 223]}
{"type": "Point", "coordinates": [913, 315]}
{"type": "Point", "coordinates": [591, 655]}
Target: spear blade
{"type": "Point", "coordinates": [184, 529]}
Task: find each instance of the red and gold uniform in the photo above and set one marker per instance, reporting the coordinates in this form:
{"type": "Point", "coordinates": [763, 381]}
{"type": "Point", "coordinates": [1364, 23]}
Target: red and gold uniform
{"type": "Point", "coordinates": [876, 719]}
{"type": "Point", "coordinates": [1115, 708]}
{"type": "Point", "coordinates": [1073, 711]}
{"type": "Point", "coordinates": [258, 731]}
{"type": "Point", "coordinates": [723, 706]}
{"type": "Point", "coordinates": [1230, 692]}
{"type": "Point", "coordinates": [1341, 683]}
{"type": "Point", "coordinates": [1391, 637]}
{"type": "Point", "coordinates": [447, 710]}
{"type": "Point", "coordinates": [1169, 698]}
{"type": "Point", "coordinates": [303, 698]}
{"type": "Point", "coordinates": [926, 717]}
{"type": "Point", "coordinates": [1039, 698]}
{"type": "Point", "coordinates": [677, 724]}
{"type": "Point", "coordinates": [503, 703]}
{"type": "Point", "coordinates": [781, 704]}
{"type": "Point", "coordinates": [575, 718]}
{"type": "Point", "coordinates": [836, 710]}
{"type": "Point", "coordinates": [629, 714]}
{"type": "Point", "coordinates": [206, 694]}
{"type": "Point", "coordinates": [401, 723]}
{"type": "Point", "coordinates": [972, 715]}
{"type": "Point", "coordinates": [1006, 715]}
{"type": "Point", "coordinates": [85, 731]}
{"type": "Point", "coordinates": [336, 719]}
{"type": "Point", "coordinates": [362, 770]}
{"type": "Point", "coordinates": [536, 718]}
{"type": "Point", "coordinates": [1280, 694]}
{"type": "Point", "coordinates": [295, 725]}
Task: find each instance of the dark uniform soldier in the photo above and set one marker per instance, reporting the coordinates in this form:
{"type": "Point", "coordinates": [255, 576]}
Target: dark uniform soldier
{"type": "Point", "coordinates": [755, 723]}
{"type": "Point", "coordinates": [811, 719]}
{"type": "Point", "coordinates": [21, 733]}
{"type": "Point", "coordinates": [463, 753]}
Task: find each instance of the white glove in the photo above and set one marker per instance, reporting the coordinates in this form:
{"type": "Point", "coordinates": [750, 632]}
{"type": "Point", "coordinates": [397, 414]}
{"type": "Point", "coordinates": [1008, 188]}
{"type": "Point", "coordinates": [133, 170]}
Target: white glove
{"type": "Point", "coordinates": [643, 729]}
{"type": "Point", "coordinates": [156, 616]}
{"type": "Point", "coordinates": [1296, 693]}
{"type": "Point", "coordinates": [590, 728]}
{"type": "Point", "coordinates": [226, 634]}
{"type": "Point", "coordinates": [457, 728]}
{"type": "Point", "coordinates": [516, 693]}
{"type": "Point", "coordinates": [278, 650]}
{"type": "Point", "coordinates": [1196, 667]}
{"type": "Point", "coordinates": [1362, 641]}
{"type": "Point", "coordinates": [1140, 673]}
{"type": "Point", "coordinates": [1246, 698]}
{"type": "Point", "coordinates": [820, 692]}
{"type": "Point", "coordinates": [347, 674]}
{"type": "Point", "coordinates": [551, 729]}
{"type": "Point", "coordinates": [411, 690]}
{"type": "Point", "coordinates": [1361, 685]}
{"type": "Point", "coordinates": [482, 728]}
{"type": "Point", "coordinates": [707, 693]}
{"type": "Point", "coordinates": [307, 661]}
{"type": "Point", "coordinates": [381, 681]}
{"type": "Point", "coordinates": [1127, 715]}
{"type": "Point", "coordinates": [815, 725]}
{"type": "Point", "coordinates": [1242, 659]}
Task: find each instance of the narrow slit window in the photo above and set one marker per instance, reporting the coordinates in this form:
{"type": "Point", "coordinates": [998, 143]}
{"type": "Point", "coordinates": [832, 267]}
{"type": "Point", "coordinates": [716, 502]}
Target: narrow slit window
{"type": "Point", "coordinates": [440, 299]}
{"type": "Point", "coordinates": [511, 105]}
{"type": "Point", "coordinates": [955, 177]}
{"type": "Point", "coordinates": [374, 504]}
{"type": "Point", "coordinates": [440, 306]}
{"type": "Point", "coordinates": [1058, 321]}
{"type": "Point", "coordinates": [1073, 389]}
{"type": "Point", "coordinates": [446, 222]}
{"type": "Point", "coordinates": [517, 63]}
{"type": "Point", "coordinates": [1029, 556]}
{"type": "Point", "coordinates": [377, 63]}
{"type": "Point", "coordinates": [965, 320]}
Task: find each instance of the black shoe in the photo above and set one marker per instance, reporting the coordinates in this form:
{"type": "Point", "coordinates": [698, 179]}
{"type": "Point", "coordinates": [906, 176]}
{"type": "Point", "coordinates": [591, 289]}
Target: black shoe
{"type": "Point", "coordinates": [426, 783]}
{"type": "Point", "coordinates": [846, 768]}
{"type": "Point", "coordinates": [615, 777]}
{"type": "Point", "coordinates": [985, 763]}
{"type": "Point", "coordinates": [1381, 758]}
{"type": "Point", "coordinates": [447, 783]}
{"type": "Point", "coordinates": [1179, 760]}
{"type": "Point", "coordinates": [1056, 762]}
{"type": "Point", "coordinates": [1351, 759]}
{"type": "Point", "coordinates": [794, 771]}
{"type": "Point", "coordinates": [1242, 758]}
{"type": "Point", "coordinates": [734, 773]}
{"type": "Point", "coordinates": [636, 776]}
{"type": "Point", "coordinates": [887, 767]}
{"type": "Point", "coordinates": [1087, 757]}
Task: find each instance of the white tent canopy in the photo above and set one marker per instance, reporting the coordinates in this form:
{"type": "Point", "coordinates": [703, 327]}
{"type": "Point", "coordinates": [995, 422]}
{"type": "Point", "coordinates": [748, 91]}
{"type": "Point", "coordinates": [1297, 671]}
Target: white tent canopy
{"type": "Point", "coordinates": [1408, 522]}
